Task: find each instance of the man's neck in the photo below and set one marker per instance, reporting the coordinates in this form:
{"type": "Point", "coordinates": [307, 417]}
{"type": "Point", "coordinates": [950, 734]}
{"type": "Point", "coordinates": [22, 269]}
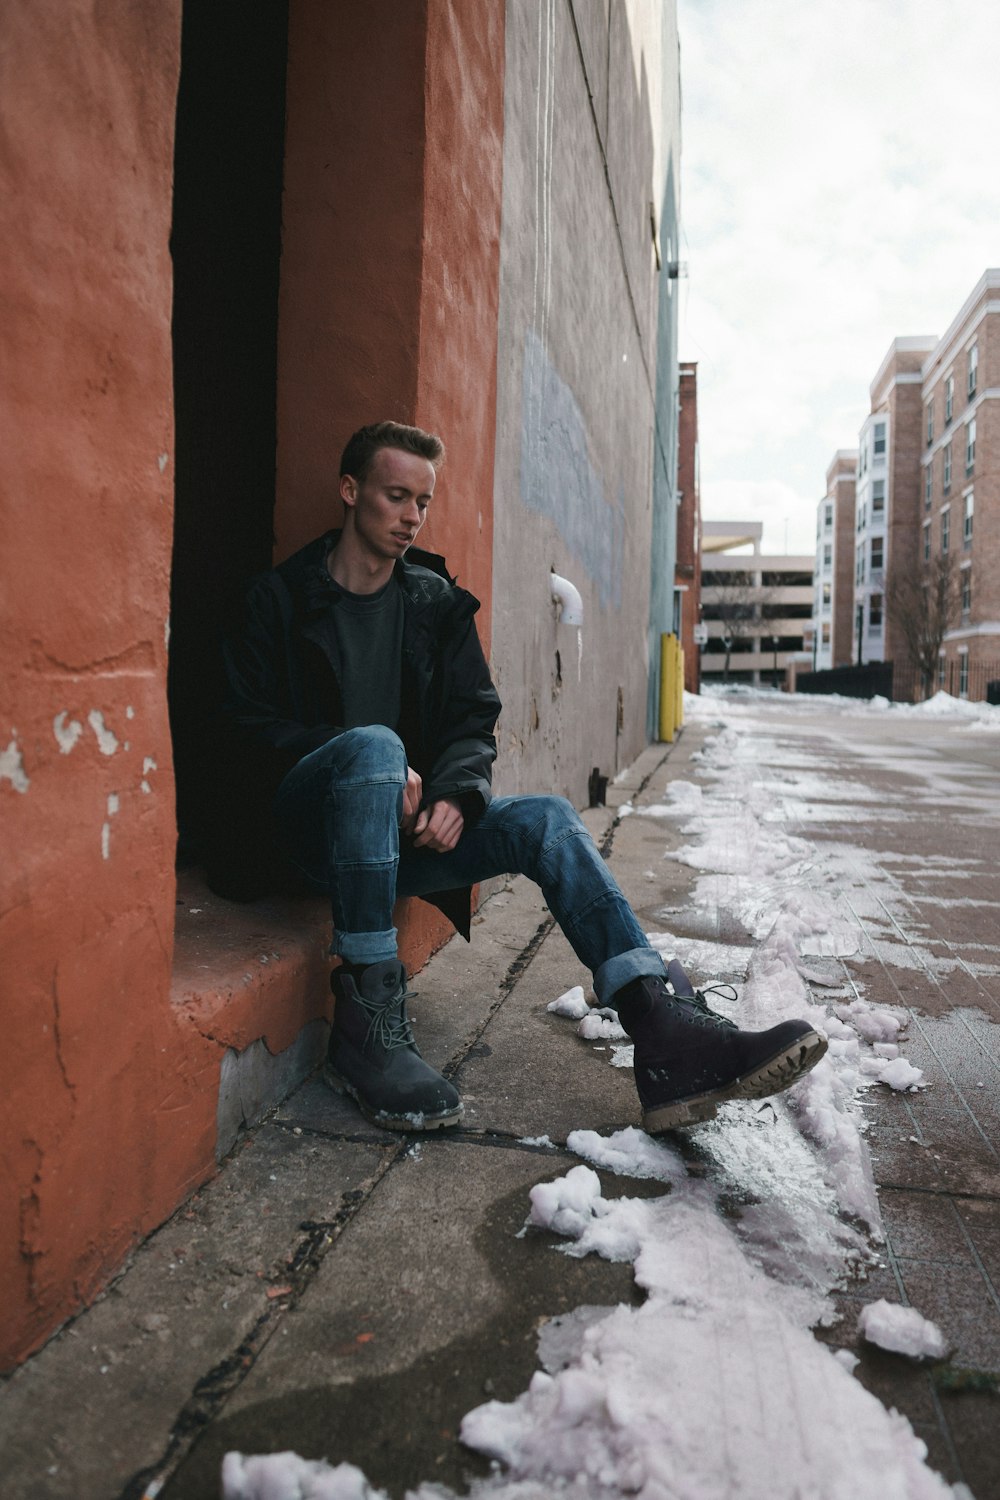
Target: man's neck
{"type": "Point", "coordinates": [355, 570]}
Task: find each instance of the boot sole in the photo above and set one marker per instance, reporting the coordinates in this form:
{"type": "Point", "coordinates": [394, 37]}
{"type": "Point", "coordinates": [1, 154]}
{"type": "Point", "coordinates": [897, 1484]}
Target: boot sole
{"type": "Point", "coordinates": [386, 1121]}
{"type": "Point", "coordinates": [772, 1077]}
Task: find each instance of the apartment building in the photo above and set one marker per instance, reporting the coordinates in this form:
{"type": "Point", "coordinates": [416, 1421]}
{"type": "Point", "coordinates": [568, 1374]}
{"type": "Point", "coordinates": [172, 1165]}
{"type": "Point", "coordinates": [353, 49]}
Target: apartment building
{"type": "Point", "coordinates": [833, 580]}
{"type": "Point", "coordinates": [887, 490]}
{"type": "Point", "coordinates": [959, 466]}
{"type": "Point", "coordinates": [756, 606]}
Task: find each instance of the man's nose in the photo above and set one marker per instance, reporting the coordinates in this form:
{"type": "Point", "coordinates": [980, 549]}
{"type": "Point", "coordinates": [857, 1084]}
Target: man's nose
{"type": "Point", "coordinates": [411, 513]}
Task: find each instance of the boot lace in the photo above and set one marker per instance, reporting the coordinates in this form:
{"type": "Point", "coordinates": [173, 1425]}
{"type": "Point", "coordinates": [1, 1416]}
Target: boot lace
{"type": "Point", "coordinates": [388, 1025]}
{"type": "Point", "coordinates": [705, 1013]}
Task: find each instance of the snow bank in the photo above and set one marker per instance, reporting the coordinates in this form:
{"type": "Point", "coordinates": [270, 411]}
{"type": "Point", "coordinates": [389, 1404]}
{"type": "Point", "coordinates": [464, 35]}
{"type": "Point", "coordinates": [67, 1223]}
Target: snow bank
{"type": "Point", "coordinates": [902, 1330]}
{"type": "Point", "coordinates": [686, 1396]}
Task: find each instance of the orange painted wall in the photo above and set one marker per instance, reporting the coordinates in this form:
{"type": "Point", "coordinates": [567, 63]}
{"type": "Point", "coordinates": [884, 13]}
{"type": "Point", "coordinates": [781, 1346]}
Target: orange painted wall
{"type": "Point", "coordinates": [390, 270]}
{"type": "Point", "coordinates": [388, 307]}
{"type": "Point", "coordinates": [103, 1109]}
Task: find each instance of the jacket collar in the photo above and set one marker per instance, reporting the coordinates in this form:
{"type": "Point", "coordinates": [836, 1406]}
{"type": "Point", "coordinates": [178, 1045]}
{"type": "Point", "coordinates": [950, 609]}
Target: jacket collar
{"type": "Point", "coordinates": [312, 578]}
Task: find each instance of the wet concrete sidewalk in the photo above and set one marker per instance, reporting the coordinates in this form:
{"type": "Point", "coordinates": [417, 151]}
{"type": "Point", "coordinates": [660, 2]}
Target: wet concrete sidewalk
{"type": "Point", "coordinates": [351, 1294]}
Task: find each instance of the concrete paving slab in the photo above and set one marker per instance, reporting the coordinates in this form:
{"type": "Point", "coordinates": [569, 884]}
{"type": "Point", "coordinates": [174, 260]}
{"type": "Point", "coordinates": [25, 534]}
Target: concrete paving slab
{"type": "Point", "coordinates": [573, 1086]}
{"type": "Point", "coordinates": [100, 1402]}
{"type": "Point", "coordinates": [429, 1304]}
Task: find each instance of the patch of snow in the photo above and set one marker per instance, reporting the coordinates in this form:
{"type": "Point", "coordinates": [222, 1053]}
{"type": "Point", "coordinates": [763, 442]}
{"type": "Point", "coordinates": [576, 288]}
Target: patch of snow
{"type": "Point", "coordinates": [902, 1330]}
{"type": "Point", "coordinates": [601, 1025]}
{"type": "Point", "coordinates": [572, 1004]}
{"type": "Point", "coordinates": [286, 1476]}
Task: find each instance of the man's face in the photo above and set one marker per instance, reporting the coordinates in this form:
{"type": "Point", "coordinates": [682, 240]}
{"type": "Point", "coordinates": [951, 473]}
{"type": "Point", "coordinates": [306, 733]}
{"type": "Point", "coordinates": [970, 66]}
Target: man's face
{"type": "Point", "coordinates": [389, 505]}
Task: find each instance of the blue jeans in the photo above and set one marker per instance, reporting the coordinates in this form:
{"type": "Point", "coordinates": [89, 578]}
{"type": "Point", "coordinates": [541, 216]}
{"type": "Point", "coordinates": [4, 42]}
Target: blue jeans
{"type": "Point", "coordinates": [339, 812]}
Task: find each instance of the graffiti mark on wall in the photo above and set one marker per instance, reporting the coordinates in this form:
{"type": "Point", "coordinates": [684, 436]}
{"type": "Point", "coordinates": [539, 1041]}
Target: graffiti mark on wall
{"type": "Point", "coordinates": [558, 478]}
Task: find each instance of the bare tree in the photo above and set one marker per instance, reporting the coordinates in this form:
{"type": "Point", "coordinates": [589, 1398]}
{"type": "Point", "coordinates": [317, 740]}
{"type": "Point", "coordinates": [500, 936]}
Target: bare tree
{"type": "Point", "coordinates": [924, 605]}
{"type": "Point", "coordinates": [737, 603]}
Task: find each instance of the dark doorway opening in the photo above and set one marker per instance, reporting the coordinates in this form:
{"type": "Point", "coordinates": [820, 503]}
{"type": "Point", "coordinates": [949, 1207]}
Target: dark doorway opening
{"type": "Point", "coordinates": [226, 244]}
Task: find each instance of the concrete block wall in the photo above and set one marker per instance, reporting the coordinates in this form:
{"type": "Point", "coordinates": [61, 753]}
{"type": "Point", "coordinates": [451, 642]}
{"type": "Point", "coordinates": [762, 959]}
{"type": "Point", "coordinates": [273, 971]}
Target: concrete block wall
{"type": "Point", "coordinates": [585, 156]}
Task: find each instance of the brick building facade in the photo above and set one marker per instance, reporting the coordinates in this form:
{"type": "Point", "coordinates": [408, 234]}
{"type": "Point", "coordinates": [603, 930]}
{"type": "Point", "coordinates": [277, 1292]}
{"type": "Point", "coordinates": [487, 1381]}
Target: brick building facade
{"type": "Point", "coordinates": [960, 483]}
{"type": "Point", "coordinates": [926, 487]}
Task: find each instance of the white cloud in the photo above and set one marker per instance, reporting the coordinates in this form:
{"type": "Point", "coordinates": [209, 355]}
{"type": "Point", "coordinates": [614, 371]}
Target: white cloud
{"type": "Point", "coordinates": [837, 192]}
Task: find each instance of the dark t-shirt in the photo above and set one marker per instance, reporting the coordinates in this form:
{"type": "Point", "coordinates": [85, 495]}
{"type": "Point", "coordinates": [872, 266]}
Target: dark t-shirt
{"type": "Point", "coordinates": [368, 629]}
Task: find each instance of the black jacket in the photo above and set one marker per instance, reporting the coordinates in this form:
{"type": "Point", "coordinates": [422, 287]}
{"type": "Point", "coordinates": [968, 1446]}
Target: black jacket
{"type": "Point", "coordinates": [283, 697]}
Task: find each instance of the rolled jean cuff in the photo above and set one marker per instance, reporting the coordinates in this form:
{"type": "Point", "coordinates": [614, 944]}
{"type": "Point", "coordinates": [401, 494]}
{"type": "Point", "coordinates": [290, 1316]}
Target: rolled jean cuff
{"type": "Point", "coordinates": [637, 963]}
{"type": "Point", "coordinates": [364, 947]}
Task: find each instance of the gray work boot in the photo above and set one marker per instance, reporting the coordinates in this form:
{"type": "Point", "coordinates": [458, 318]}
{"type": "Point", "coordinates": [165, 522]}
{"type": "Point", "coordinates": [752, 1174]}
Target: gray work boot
{"type": "Point", "coordinates": [689, 1060]}
{"type": "Point", "coordinates": [373, 1057]}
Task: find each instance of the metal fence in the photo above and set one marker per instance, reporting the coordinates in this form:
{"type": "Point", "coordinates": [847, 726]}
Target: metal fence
{"type": "Point", "coordinates": [976, 680]}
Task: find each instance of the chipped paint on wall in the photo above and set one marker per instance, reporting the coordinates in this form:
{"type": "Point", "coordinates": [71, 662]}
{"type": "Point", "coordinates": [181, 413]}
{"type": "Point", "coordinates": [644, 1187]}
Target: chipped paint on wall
{"type": "Point", "coordinates": [107, 740]}
{"type": "Point", "coordinates": [66, 734]}
{"type": "Point", "coordinates": [12, 766]}
{"type": "Point", "coordinates": [148, 764]}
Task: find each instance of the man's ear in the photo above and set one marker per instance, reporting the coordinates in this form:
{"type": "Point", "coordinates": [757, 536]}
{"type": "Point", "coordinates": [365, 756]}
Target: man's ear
{"type": "Point", "coordinates": [348, 490]}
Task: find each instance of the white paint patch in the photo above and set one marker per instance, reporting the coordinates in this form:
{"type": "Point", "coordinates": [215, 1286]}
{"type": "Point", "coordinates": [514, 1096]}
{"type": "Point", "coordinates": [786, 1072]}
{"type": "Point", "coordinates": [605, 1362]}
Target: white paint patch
{"type": "Point", "coordinates": [105, 840]}
{"type": "Point", "coordinates": [66, 734]}
{"type": "Point", "coordinates": [162, 461]}
{"type": "Point", "coordinates": [113, 804]}
{"type": "Point", "coordinates": [12, 766]}
{"type": "Point", "coordinates": [166, 631]}
{"type": "Point", "coordinates": [107, 740]}
{"type": "Point", "coordinates": [148, 764]}
{"type": "Point", "coordinates": [130, 712]}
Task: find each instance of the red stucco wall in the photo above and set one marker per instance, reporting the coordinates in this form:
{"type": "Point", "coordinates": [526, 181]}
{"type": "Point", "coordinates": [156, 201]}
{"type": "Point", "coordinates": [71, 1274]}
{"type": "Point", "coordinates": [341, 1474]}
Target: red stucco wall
{"type": "Point", "coordinates": [390, 270]}
{"type": "Point", "coordinates": [388, 307]}
{"type": "Point", "coordinates": [97, 1076]}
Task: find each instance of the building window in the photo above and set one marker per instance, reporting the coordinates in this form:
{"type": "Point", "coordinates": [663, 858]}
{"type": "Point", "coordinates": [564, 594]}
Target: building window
{"type": "Point", "coordinates": [930, 423]}
{"type": "Point", "coordinates": [949, 398]}
{"type": "Point", "coordinates": [968, 506]}
{"type": "Point", "coordinates": [859, 568]}
{"type": "Point", "coordinates": [966, 591]}
{"type": "Point", "coordinates": [927, 541]}
{"type": "Point", "coordinates": [970, 445]}
{"type": "Point", "coordinates": [878, 446]}
{"type": "Point", "coordinates": [827, 517]}
{"type": "Point", "coordinates": [827, 557]}
{"type": "Point", "coordinates": [946, 529]}
{"type": "Point", "coordinates": [973, 370]}
{"type": "Point", "coordinates": [878, 497]}
{"type": "Point", "coordinates": [875, 612]}
{"type": "Point", "coordinates": [826, 632]}
{"type": "Point", "coordinates": [928, 486]}
{"type": "Point", "coordinates": [876, 545]}
{"type": "Point", "coordinates": [946, 475]}
{"type": "Point", "coordinates": [827, 595]}
{"type": "Point", "coordinates": [963, 675]}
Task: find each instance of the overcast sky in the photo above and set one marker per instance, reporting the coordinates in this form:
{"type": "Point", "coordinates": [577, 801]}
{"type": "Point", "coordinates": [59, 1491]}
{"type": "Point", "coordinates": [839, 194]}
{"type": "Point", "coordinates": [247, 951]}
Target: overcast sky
{"type": "Point", "coordinates": [840, 188]}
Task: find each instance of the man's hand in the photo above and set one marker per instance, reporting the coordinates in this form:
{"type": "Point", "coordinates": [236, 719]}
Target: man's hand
{"type": "Point", "coordinates": [412, 792]}
{"type": "Point", "coordinates": [439, 827]}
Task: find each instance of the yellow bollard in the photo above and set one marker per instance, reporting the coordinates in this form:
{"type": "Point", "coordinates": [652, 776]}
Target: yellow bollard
{"type": "Point", "coordinates": [671, 688]}
{"type": "Point", "coordinates": [668, 690]}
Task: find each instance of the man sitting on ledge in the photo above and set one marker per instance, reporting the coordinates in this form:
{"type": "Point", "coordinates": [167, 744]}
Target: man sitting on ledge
{"type": "Point", "coordinates": [358, 687]}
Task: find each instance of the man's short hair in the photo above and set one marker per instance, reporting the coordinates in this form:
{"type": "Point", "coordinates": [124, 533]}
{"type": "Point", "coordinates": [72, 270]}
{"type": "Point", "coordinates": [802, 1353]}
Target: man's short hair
{"type": "Point", "coordinates": [357, 457]}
